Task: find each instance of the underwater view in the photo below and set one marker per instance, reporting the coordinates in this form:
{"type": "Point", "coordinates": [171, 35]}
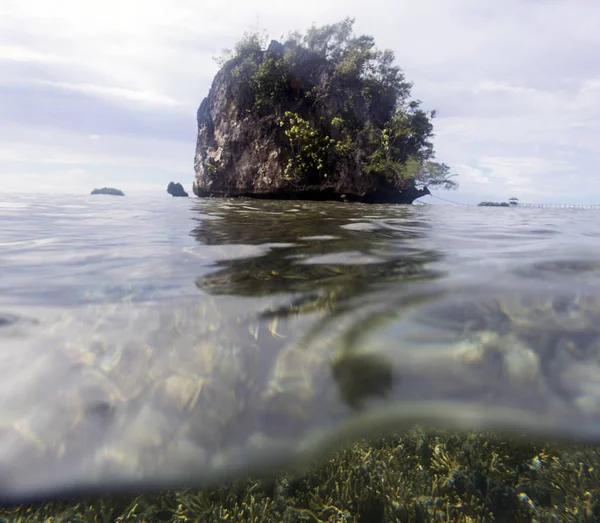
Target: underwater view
{"type": "Point", "coordinates": [249, 360]}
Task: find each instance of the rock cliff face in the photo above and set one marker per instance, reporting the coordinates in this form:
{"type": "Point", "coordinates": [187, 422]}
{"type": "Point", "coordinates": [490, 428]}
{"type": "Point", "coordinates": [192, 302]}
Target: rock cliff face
{"type": "Point", "coordinates": [294, 121]}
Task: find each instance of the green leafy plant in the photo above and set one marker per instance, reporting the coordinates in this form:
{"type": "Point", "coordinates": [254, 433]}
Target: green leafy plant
{"type": "Point", "coordinates": [269, 82]}
{"type": "Point", "coordinates": [309, 149]}
{"type": "Point", "coordinates": [210, 166]}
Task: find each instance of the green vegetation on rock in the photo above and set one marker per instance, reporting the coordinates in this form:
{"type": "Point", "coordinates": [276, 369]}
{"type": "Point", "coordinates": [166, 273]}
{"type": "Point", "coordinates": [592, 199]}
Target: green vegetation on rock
{"type": "Point", "coordinates": [310, 150]}
{"type": "Point", "coordinates": [398, 145]}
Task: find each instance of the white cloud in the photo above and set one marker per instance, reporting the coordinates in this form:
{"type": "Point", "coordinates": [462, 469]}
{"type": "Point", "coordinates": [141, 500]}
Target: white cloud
{"type": "Point", "coordinates": [472, 174]}
{"type": "Point", "coordinates": [71, 181]}
{"type": "Point", "coordinates": [44, 147]}
{"type": "Point", "coordinates": [20, 53]}
{"type": "Point", "coordinates": [131, 95]}
{"type": "Point", "coordinates": [522, 174]}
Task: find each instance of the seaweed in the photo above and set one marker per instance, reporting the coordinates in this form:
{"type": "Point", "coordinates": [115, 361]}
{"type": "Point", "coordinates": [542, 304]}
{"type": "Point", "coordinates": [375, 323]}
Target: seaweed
{"type": "Point", "coordinates": [422, 476]}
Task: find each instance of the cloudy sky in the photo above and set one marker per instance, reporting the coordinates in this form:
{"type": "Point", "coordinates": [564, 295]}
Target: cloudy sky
{"type": "Point", "coordinates": [98, 93]}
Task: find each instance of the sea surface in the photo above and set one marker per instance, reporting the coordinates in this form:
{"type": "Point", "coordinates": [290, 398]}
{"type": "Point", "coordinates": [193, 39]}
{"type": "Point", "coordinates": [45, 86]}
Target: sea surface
{"type": "Point", "coordinates": [168, 341]}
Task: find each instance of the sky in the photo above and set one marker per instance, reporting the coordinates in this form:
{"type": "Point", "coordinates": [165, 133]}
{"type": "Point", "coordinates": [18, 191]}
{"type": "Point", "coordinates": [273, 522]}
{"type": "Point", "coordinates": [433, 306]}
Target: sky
{"type": "Point", "coordinates": [105, 93]}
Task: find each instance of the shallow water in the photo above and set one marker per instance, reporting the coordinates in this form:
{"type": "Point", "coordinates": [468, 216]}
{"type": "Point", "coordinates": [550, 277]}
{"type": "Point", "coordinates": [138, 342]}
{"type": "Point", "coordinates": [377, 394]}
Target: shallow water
{"type": "Point", "coordinates": [164, 342]}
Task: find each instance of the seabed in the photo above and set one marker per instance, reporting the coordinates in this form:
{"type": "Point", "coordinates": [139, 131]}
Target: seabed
{"type": "Point", "coordinates": [421, 476]}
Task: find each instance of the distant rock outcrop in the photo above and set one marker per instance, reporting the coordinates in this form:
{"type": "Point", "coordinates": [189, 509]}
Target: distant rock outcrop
{"type": "Point", "coordinates": [176, 189]}
{"type": "Point", "coordinates": [493, 204]}
{"type": "Point", "coordinates": [326, 116]}
{"type": "Point", "coordinates": [108, 190]}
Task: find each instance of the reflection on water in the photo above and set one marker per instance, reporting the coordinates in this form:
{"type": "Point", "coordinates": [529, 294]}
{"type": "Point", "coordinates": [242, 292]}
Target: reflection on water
{"type": "Point", "coordinates": [194, 343]}
{"type": "Point", "coordinates": [347, 257]}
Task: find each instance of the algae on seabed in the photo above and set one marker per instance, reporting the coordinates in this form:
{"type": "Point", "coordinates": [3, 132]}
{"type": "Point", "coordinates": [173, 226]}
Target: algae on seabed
{"type": "Point", "coordinates": [422, 476]}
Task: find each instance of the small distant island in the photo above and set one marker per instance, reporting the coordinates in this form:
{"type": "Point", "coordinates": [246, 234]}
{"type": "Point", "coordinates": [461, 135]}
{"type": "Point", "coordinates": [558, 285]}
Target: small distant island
{"type": "Point", "coordinates": [108, 190]}
{"type": "Point", "coordinates": [493, 204]}
{"type": "Point", "coordinates": [512, 202]}
{"type": "Point", "coordinates": [321, 116]}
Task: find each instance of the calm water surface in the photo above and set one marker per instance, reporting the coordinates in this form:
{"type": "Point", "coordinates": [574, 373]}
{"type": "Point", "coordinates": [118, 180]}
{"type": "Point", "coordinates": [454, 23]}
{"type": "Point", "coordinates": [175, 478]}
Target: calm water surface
{"type": "Point", "coordinates": [163, 340]}
{"type": "Point", "coordinates": [69, 250]}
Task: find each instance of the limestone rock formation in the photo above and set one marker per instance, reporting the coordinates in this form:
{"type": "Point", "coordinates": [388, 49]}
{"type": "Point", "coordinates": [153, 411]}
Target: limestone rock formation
{"type": "Point", "coordinates": [176, 189]}
{"type": "Point", "coordinates": [300, 120]}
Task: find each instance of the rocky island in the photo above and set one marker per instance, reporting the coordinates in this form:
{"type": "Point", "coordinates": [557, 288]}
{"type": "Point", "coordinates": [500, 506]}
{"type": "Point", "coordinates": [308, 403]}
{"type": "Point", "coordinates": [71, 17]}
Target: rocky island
{"type": "Point", "coordinates": [108, 190]}
{"type": "Point", "coordinates": [176, 190]}
{"type": "Point", "coordinates": [321, 116]}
